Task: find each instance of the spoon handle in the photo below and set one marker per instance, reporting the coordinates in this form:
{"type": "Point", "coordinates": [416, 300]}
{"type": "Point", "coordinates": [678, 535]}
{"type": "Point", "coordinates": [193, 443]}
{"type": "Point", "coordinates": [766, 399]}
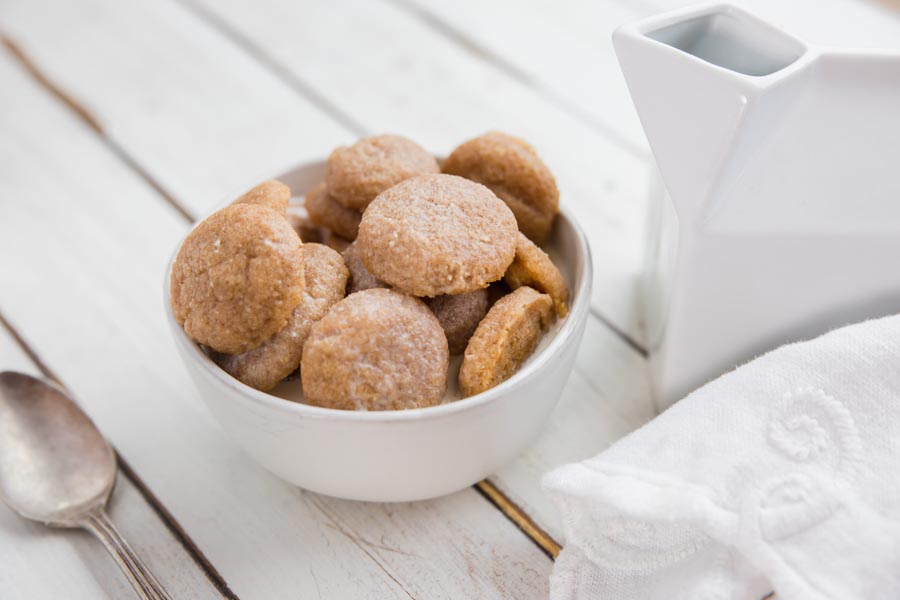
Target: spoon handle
{"type": "Point", "coordinates": [139, 576]}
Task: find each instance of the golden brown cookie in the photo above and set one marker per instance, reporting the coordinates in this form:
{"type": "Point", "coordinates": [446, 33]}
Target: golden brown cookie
{"type": "Point", "coordinates": [266, 365]}
{"type": "Point", "coordinates": [376, 350]}
{"type": "Point", "coordinates": [273, 194]}
{"type": "Point", "coordinates": [360, 278]}
{"type": "Point", "coordinates": [532, 267]}
{"type": "Point", "coordinates": [513, 171]}
{"type": "Point", "coordinates": [459, 315]}
{"type": "Point", "coordinates": [437, 234]}
{"type": "Point", "coordinates": [237, 278]}
{"type": "Point", "coordinates": [356, 174]}
{"type": "Point", "coordinates": [298, 217]}
{"type": "Point", "coordinates": [326, 212]}
{"type": "Point", "coordinates": [504, 340]}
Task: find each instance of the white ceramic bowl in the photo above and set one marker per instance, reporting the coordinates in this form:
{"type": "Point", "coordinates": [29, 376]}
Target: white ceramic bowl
{"type": "Point", "coordinates": [399, 455]}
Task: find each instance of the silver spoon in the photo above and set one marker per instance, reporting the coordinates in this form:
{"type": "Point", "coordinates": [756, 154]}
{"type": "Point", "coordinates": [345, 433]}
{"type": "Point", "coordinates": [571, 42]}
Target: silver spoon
{"type": "Point", "coordinates": [56, 468]}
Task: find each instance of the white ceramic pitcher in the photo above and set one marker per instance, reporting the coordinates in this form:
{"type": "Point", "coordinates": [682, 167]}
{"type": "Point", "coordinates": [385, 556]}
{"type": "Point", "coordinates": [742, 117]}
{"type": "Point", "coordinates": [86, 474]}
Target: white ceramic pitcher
{"type": "Point", "coordinates": [781, 161]}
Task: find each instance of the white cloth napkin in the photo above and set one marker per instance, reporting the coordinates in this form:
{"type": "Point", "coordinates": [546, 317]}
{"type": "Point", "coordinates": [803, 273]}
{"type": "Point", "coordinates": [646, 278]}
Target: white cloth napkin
{"type": "Point", "coordinates": [783, 474]}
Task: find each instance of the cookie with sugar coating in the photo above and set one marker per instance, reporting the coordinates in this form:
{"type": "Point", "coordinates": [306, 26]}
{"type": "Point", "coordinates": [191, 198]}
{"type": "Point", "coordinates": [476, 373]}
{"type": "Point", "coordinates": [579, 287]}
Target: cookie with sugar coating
{"type": "Point", "coordinates": [376, 350]}
{"type": "Point", "coordinates": [533, 267]}
{"type": "Point", "coordinates": [437, 234]}
{"type": "Point", "coordinates": [504, 340]}
{"type": "Point", "coordinates": [357, 174]}
{"type": "Point", "coordinates": [326, 212]}
{"type": "Point", "coordinates": [237, 277]}
{"type": "Point", "coordinates": [459, 315]}
{"type": "Point", "coordinates": [279, 356]}
{"type": "Point", "coordinates": [511, 168]}
{"type": "Point", "coordinates": [272, 194]}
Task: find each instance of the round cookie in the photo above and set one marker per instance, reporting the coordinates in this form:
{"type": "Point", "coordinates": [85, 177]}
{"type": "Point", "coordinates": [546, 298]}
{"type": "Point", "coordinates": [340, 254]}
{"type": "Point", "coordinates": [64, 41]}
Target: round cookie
{"type": "Point", "coordinates": [266, 365]}
{"type": "Point", "coordinates": [358, 173]}
{"type": "Point", "coordinates": [532, 267]}
{"type": "Point", "coordinates": [437, 234]}
{"type": "Point", "coordinates": [360, 278]}
{"type": "Point", "coordinates": [376, 350]}
{"type": "Point", "coordinates": [237, 278]}
{"type": "Point", "coordinates": [459, 315]}
{"type": "Point", "coordinates": [326, 212]}
{"type": "Point", "coordinates": [505, 338]}
{"type": "Point", "coordinates": [511, 169]}
{"type": "Point", "coordinates": [272, 194]}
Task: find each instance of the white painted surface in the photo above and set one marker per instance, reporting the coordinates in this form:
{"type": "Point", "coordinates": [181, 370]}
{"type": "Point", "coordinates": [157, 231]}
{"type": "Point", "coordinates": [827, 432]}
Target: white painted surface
{"type": "Point", "coordinates": [39, 562]}
{"type": "Point", "coordinates": [607, 397]}
{"type": "Point", "coordinates": [83, 242]}
{"type": "Point", "coordinates": [113, 350]}
{"type": "Point", "coordinates": [193, 110]}
{"type": "Point", "coordinates": [392, 72]}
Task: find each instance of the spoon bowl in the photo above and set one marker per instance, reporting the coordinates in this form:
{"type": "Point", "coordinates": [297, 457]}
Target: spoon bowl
{"type": "Point", "coordinates": [56, 468]}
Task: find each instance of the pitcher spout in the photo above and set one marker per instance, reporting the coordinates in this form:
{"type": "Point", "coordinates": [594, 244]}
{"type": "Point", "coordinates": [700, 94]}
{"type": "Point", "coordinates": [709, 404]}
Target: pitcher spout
{"type": "Point", "coordinates": [692, 75]}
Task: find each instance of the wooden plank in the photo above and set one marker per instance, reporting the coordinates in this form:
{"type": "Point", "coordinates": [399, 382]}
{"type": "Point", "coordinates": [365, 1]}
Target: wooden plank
{"type": "Point", "coordinates": [445, 114]}
{"type": "Point", "coordinates": [415, 83]}
{"type": "Point", "coordinates": [391, 72]}
{"type": "Point", "coordinates": [607, 397]}
{"type": "Point", "coordinates": [84, 244]}
{"type": "Point", "coordinates": [573, 61]}
{"type": "Point", "coordinates": [455, 91]}
{"type": "Point", "coordinates": [563, 51]}
{"type": "Point", "coordinates": [200, 116]}
{"type": "Point", "coordinates": [39, 562]}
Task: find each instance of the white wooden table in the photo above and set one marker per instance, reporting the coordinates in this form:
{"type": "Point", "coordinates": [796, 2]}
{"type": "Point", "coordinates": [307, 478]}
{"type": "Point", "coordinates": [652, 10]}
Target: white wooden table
{"type": "Point", "coordinates": [121, 121]}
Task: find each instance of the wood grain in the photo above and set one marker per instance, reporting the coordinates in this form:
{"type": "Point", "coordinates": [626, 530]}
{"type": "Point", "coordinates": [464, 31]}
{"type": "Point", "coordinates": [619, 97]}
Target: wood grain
{"type": "Point", "coordinates": [391, 72]}
{"type": "Point", "coordinates": [607, 397]}
{"type": "Point", "coordinates": [39, 562]}
{"type": "Point", "coordinates": [77, 227]}
{"type": "Point", "coordinates": [617, 262]}
{"type": "Point", "coordinates": [202, 118]}
{"type": "Point", "coordinates": [563, 51]}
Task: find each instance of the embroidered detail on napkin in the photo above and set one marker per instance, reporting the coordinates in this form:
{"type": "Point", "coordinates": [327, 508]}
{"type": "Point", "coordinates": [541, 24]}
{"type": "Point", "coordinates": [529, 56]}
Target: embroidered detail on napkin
{"type": "Point", "coordinates": [782, 474]}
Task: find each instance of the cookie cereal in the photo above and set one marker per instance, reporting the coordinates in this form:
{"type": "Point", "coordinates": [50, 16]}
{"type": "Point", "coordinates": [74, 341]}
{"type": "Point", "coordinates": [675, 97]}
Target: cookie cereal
{"type": "Point", "coordinates": [376, 350]}
{"type": "Point", "coordinates": [504, 340]}
{"type": "Point", "coordinates": [511, 168]}
{"type": "Point", "coordinates": [266, 365]}
{"type": "Point", "coordinates": [357, 174]}
{"type": "Point", "coordinates": [532, 267]}
{"type": "Point", "coordinates": [237, 278]}
{"type": "Point", "coordinates": [326, 212]}
{"type": "Point", "coordinates": [437, 234]}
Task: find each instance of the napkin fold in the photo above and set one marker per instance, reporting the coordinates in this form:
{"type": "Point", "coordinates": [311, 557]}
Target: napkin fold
{"type": "Point", "coordinates": [783, 474]}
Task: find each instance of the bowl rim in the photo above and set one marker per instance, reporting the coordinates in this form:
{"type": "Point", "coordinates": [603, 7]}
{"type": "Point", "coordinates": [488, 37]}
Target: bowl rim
{"type": "Point", "coordinates": [580, 306]}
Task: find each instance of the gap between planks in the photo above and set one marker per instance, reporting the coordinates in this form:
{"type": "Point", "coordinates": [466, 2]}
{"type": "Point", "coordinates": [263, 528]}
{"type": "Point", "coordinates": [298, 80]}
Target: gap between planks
{"type": "Point", "coordinates": [91, 122]}
{"type": "Point", "coordinates": [520, 518]}
{"type": "Point", "coordinates": [471, 45]}
{"type": "Point", "coordinates": [298, 85]}
{"type": "Point", "coordinates": [487, 489]}
{"type": "Point", "coordinates": [460, 39]}
{"type": "Point", "coordinates": [514, 513]}
{"type": "Point", "coordinates": [146, 493]}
